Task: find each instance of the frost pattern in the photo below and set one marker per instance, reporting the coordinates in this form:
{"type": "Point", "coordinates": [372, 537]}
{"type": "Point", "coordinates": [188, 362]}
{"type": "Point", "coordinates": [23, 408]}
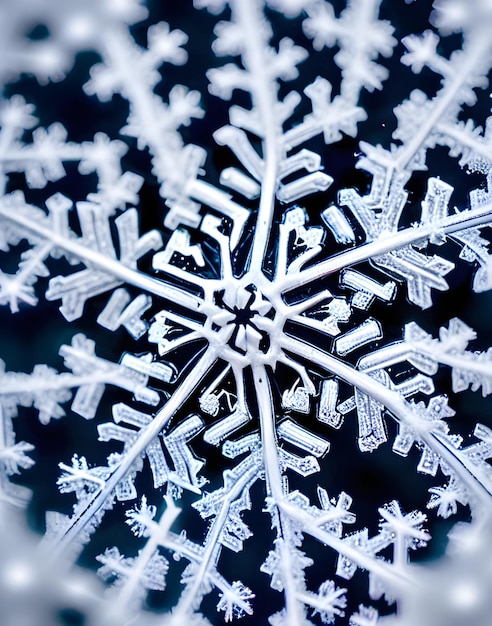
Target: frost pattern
{"type": "Point", "coordinates": [254, 303]}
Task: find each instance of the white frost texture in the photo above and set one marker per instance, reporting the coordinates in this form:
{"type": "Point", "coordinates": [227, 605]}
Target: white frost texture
{"type": "Point", "coordinates": [246, 296]}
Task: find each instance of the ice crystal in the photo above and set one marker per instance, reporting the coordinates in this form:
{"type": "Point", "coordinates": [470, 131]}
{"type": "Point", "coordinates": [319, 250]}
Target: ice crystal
{"type": "Point", "coordinates": [251, 213]}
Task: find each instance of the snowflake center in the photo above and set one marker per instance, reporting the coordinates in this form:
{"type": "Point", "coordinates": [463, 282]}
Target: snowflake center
{"type": "Point", "coordinates": [247, 314]}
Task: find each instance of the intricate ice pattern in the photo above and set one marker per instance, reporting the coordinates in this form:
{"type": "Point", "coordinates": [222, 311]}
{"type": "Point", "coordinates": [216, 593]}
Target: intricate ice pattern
{"type": "Point", "coordinates": [255, 301]}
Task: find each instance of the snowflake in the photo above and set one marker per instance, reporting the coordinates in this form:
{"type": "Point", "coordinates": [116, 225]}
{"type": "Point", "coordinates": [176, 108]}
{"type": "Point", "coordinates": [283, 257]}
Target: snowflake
{"type": "Point", "coordinates": [253, 290]}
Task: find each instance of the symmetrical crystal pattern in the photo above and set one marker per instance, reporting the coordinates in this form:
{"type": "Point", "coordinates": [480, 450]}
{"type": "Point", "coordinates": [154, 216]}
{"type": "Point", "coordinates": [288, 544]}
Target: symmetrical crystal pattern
{"type": "Point", "coordinates": [256, 266]}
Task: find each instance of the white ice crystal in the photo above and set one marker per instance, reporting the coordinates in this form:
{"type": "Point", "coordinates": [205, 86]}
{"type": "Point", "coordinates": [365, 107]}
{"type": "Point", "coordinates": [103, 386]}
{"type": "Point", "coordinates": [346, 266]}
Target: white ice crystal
{"type": "Point", "coordinates": [251, 213]}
